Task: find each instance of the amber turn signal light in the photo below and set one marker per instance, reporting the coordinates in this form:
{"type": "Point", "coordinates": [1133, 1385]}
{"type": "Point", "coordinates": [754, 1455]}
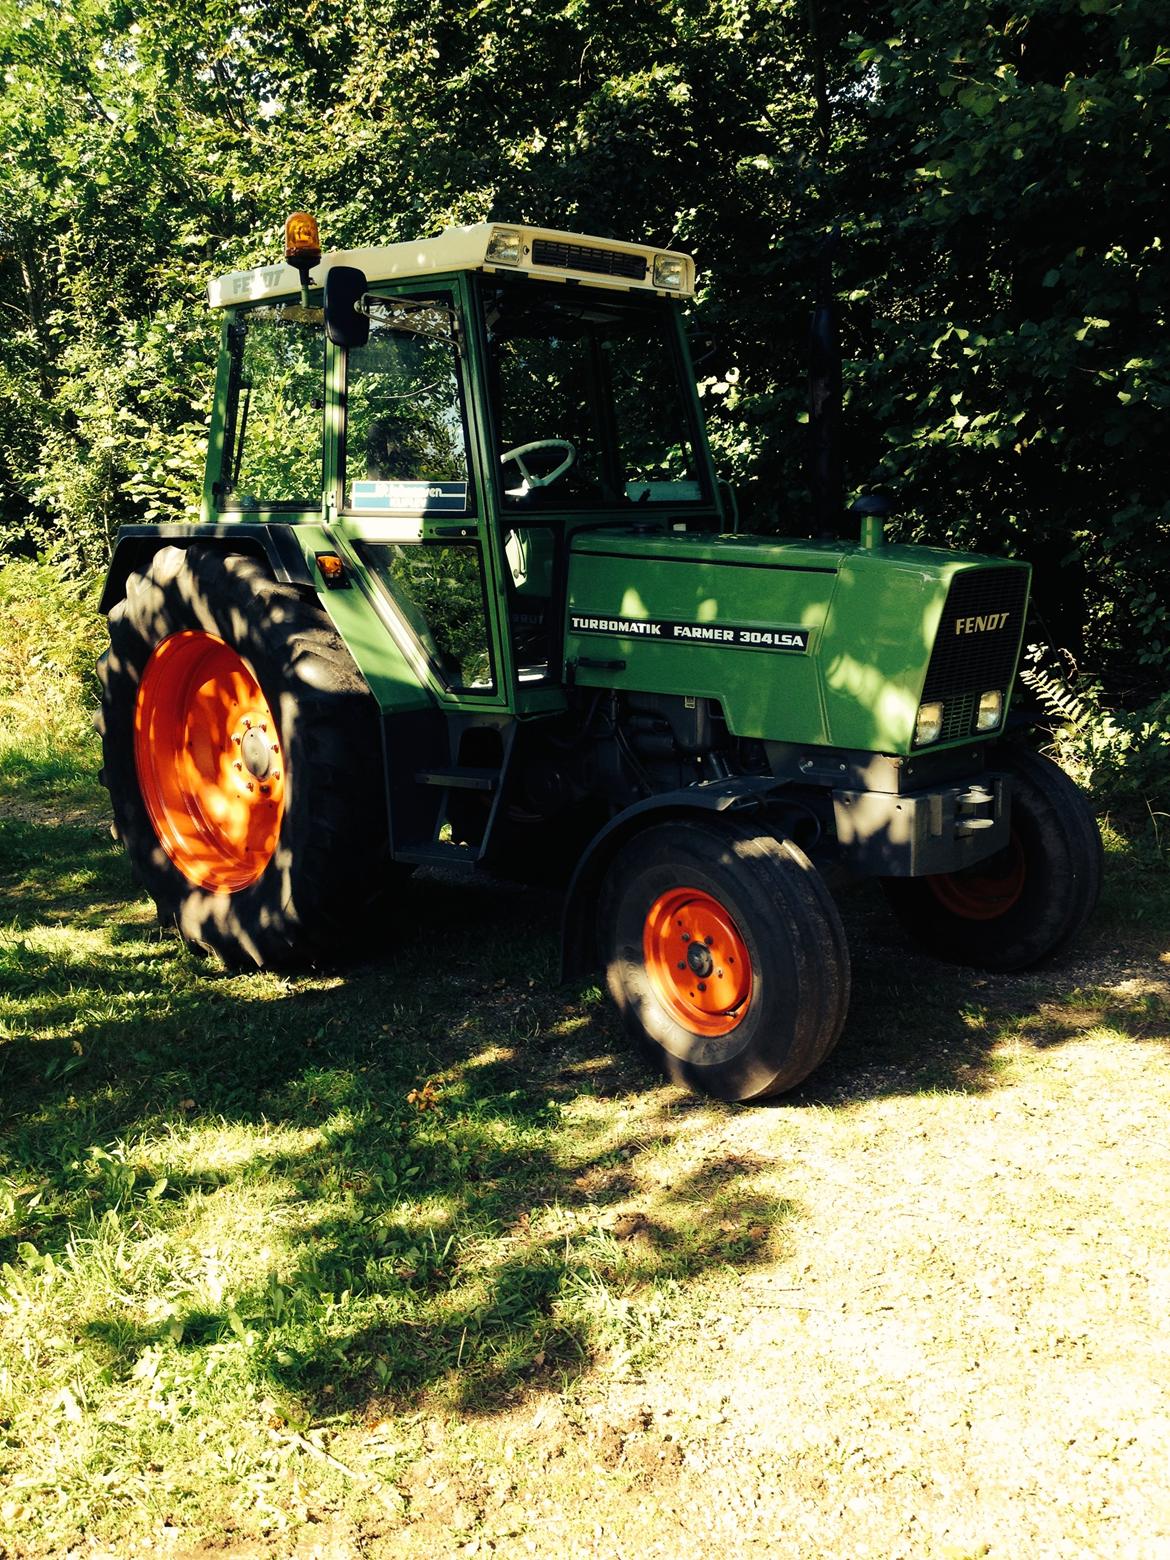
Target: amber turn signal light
{"type": "Point", "coordinates": [332, 569]}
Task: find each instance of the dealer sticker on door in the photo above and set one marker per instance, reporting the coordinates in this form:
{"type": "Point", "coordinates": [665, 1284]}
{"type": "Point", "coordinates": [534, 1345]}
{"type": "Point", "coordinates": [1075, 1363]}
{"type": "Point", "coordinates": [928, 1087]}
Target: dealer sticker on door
{"type": "Point", "coordinates": [410, 497]}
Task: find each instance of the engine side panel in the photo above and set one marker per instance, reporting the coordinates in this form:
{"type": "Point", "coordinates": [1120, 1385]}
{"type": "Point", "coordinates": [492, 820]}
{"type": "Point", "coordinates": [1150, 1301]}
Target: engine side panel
{"type": "Point", "coordinates": [685, 615]}
{"type": "Point", "coordinates": [799, 642]}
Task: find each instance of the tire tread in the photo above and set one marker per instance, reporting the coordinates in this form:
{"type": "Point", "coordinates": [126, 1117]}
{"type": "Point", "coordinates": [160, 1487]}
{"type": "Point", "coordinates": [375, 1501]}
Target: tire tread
{"type": "Point", "coordinates": [331, 858]}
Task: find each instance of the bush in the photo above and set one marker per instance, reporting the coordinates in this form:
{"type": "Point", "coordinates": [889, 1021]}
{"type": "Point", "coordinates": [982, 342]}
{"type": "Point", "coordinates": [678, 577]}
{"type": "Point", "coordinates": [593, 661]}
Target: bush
{"type": "Point", "coordinates": [1121, 756]}
{"type": "Point", "coordinates": [52, 637]}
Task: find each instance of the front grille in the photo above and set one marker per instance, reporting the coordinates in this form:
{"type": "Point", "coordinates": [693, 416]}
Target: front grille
{"type": "Point", "coordinates": [959, 716]}
{"type": "Point", "coordinates": [970, 656]}
{"type": "Point", "coordinates": [579, 257]}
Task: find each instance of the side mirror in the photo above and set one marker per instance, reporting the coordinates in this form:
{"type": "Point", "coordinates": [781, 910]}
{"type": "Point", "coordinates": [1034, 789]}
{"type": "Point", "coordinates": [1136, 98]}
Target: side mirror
{"type": "Point", "coordinates": [345, 287]}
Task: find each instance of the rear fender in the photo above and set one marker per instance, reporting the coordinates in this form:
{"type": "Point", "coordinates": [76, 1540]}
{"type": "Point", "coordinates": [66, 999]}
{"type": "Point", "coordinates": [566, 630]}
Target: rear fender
{"type": "Point", "coordinates": [276, 544]}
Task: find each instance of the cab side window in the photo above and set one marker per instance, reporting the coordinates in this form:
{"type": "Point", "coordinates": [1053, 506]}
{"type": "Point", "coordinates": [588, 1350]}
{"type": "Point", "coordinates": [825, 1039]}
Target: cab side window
{"type": "Point", "coordinates": [405, 442]}
{"type": "Point", "coordinates": [441, 593]}
{"type": "Point", "coordinates": [273, 448]}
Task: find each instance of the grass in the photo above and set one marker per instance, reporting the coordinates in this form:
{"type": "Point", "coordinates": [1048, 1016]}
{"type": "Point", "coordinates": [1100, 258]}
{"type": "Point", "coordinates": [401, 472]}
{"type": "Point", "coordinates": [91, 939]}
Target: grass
{"type": "Point", "coordinates": [223, 1192]}
{"type": "Point", "coordinates": [416, 1256]}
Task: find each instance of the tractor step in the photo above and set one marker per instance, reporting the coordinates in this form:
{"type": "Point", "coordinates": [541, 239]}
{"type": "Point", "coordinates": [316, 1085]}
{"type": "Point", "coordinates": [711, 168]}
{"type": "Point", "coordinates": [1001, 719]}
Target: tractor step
{"type": "Point", "coordinates": [440, 853]}
{"type": "Point", "coordinates": [460, 779]}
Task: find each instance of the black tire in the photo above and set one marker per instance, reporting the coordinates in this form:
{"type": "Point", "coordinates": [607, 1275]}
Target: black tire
{"type": "Point", "coordinates": [330, 854]}
{"type": "Point", "coordinates": [788, 924]}
{"type": "Point", "coordinates": [1029, 902]}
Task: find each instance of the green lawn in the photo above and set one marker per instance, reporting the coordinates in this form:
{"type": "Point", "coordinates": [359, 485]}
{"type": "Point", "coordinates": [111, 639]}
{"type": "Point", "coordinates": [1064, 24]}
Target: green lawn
{"type": "Point", "coordinates": [260, 1235]}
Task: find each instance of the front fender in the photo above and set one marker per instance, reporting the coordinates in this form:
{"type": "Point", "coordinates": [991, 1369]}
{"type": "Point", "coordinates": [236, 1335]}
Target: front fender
{"type": "Point", "coordinates": [740, 794]}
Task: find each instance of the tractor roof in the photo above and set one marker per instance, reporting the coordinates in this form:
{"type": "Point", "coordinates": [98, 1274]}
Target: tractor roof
{"type": "Point", "coordinates": [486, 246]}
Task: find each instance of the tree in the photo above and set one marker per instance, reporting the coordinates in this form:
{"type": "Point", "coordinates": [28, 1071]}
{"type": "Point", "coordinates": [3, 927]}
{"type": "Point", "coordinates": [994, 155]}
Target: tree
{"type": "Point", "coordinates": [998, 174]}
{"type": "Point", "coordinates": [1019, 374]}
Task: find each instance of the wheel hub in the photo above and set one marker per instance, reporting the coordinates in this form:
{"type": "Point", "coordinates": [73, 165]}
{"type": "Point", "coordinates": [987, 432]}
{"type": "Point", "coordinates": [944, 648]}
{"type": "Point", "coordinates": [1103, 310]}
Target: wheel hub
{"type": "Point", "coordinates": [208, 762]}
{"type": "Point", "coordinates": [700, 960]}
{"type": "Point", "coordinates": [256, 751]}
{"type": "Point", "coordinates": [698, 963]}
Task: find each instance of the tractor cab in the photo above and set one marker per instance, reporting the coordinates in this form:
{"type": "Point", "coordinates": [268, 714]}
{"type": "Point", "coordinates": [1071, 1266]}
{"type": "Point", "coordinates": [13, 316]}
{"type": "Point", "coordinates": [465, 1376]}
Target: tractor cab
{"type": "Point", "coordinates": [471, 404]}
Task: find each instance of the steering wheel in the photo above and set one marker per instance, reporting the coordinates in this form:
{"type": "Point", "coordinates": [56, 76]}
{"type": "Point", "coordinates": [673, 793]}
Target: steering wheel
{"type": "Point", "coordinates": [530, 481]}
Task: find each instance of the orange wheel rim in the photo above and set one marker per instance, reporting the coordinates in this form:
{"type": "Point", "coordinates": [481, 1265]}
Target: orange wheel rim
{"type": "Point", "coordinates": [698, 964]}
{"type": "Point", "coordinates": [210, 761]}
{"type": "Point", "coordinates": [987, 890]}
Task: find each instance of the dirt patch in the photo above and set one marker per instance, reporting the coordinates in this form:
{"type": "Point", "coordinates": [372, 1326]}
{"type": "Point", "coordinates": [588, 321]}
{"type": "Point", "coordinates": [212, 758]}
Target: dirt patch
{"type": "Point", "coordinates": [963, 1352]}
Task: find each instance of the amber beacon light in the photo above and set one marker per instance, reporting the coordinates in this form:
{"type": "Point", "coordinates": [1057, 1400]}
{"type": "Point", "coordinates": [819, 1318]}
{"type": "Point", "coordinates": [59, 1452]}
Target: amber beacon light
{"type": "Point", "coordinates": [302, 242]}
{"type": "Point", "coordinates": [302, 247]}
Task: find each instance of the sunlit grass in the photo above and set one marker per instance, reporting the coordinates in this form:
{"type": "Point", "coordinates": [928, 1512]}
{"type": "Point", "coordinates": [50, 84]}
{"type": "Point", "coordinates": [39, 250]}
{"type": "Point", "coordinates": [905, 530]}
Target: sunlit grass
{"type": "Point", "coordinates": [233, 1205]}
{"type": "Point", "coordinates": [239, 1214]}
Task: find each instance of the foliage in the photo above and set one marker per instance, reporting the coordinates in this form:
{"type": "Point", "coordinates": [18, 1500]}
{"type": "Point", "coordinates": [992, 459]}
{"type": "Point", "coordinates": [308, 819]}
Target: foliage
{"type": "Point", "coordinates": [1020, 372]}
{"type": "Point", "coordinates": [997, 173]}
{"type": "Point", "coordinates": [51, 641]}
{"type": "Point", "coordinates": [1121, 756]}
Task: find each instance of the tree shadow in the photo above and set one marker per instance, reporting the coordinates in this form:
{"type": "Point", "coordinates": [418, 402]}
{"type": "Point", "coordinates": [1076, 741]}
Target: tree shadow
{"type": "Point", "coordinates": [445, 1228]}
{"type": "Point", "coordinates": [469, 1255]}
{"type": "Point", "coordinates": [917, 1025]}
{"type": "Point", "coordinates": [443, 1231]}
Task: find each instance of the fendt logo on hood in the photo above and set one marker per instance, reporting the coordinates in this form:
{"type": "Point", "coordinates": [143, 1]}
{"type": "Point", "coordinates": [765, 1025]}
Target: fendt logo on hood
{"type": "Point", "coordinates": [983, 624]}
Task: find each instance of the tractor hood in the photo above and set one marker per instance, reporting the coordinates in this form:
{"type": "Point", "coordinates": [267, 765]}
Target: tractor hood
{"type": "Point", "coordinates": [804, 641]}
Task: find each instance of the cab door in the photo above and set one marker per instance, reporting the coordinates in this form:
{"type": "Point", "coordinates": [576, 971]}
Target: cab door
{"type": "Point", "coordinates": [592, 425]}
{"type": "Point", "coordinates": [411, 512]}
{"type": "Point", "coordinates": [407, 498]}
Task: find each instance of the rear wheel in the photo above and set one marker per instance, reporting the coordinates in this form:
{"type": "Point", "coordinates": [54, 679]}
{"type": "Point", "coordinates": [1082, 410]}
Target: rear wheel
{"type": "Point", "coordinates": [725, 955]}
{"type": "Point", "coordinates": [1029, 901]}
{"type": "Point", "coordinates": [242, 757]}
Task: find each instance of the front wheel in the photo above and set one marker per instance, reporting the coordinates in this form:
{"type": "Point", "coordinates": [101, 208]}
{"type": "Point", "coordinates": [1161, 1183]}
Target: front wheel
{"type": "Point", "coordinates": [1028, 902]}
{"type": "Point", "coordinates": [725, 955]}
{"type": "Point", "coordinates": [242, 757]}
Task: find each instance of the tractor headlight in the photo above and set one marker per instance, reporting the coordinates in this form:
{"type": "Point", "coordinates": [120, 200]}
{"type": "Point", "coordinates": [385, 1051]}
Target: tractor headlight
{"type": "Point", "coordinates": [504, 247]}
{"type": "Point", "coordinates": [990, 710]}
{"type": "Point", "coordinates": [668, 272]}
{"type": "Point", "coordinates": [928, 726]}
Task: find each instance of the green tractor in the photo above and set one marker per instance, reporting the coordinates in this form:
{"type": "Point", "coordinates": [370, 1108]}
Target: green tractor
{"type": "Point", "coordinates": [467, 593]}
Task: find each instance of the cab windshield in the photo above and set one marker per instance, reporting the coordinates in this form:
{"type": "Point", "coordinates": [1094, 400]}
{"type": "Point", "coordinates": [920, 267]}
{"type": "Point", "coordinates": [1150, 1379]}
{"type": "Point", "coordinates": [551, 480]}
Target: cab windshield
{"type": "Point", "coordinates": [589, 402]}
